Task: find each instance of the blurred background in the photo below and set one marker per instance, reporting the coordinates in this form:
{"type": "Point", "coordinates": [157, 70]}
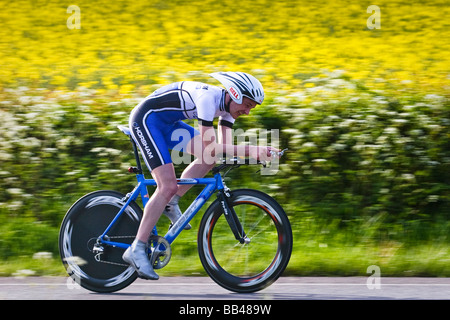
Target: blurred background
{"type": "Point", "coordinates": [361, 100]}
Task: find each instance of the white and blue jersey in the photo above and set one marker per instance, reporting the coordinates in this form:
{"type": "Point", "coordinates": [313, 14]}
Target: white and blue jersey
{"type": "Point", "coordinates": [153, 121]}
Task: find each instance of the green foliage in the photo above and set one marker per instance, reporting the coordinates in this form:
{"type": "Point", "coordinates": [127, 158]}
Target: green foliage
{"type": "Point", "coordinates": [362, 168]}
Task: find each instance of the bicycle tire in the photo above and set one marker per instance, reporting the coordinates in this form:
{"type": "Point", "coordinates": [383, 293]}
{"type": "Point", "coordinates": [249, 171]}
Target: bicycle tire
{"type": "Point", "coordinates": [83, 223]}
{"type": "Point", "coordinates": [246, 268]}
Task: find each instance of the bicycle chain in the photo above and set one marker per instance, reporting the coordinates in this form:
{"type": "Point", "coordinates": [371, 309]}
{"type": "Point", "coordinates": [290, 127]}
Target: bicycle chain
{"type": "Point", "coordinates": [97, 257]}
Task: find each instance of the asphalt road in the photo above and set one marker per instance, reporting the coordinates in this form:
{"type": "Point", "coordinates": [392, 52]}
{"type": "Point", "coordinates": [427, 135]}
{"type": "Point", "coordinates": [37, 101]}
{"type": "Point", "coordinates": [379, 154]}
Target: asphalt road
{"type": "Point", "coordinates": [203, 288]}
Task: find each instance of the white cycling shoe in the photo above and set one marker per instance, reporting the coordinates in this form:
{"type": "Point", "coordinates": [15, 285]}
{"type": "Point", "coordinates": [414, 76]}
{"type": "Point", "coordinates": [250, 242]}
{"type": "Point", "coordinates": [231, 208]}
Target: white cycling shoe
{"type": "Point", "coordinates": [173, 212]}
{"type": "Point", "coordinates": [136, 256]}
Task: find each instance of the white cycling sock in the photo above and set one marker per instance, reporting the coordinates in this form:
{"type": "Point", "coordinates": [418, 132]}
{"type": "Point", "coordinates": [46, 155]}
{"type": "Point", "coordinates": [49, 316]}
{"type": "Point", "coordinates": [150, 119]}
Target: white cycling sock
{"type": "Point", "coordinates": [173, 211]}
{"type": "Point", "coordinates": [174, 200]}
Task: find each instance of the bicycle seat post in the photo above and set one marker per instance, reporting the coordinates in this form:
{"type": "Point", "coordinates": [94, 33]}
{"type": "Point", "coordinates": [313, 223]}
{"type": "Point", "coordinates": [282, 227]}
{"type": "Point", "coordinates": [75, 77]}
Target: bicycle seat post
{"type": "Point", "coordinates": [136, 155]}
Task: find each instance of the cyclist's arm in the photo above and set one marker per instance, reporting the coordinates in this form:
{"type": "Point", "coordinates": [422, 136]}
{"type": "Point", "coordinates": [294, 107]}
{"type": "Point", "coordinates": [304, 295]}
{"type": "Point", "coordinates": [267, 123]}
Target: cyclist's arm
{"type": "Point", "coordinates": [214, 147]}
{"type": "Point", "coordinates": [225, 134]}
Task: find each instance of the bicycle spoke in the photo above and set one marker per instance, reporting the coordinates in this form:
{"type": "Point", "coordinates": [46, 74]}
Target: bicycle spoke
{"type": "Point", "coordinates": [245, 259]}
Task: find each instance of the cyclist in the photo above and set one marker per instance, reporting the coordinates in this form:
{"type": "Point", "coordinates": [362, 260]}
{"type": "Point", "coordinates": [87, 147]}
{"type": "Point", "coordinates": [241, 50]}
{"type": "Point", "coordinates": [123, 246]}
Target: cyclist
{"type": "Point", "coordinates": [156, 125]}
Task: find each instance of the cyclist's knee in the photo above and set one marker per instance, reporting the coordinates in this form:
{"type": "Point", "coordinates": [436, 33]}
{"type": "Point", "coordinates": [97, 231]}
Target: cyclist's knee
{"type": "Point", "coordinates": [168, 189]}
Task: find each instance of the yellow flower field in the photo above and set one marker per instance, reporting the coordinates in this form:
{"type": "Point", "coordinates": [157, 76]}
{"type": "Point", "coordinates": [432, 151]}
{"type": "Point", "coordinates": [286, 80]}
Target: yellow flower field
{"type": "Point", "coordinates": [131, 45]}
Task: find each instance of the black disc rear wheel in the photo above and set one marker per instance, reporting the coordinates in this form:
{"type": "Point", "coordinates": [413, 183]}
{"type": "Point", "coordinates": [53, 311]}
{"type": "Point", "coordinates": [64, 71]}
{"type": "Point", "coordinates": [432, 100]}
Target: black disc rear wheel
{"type": "Point", "coordinates": [97, 267]}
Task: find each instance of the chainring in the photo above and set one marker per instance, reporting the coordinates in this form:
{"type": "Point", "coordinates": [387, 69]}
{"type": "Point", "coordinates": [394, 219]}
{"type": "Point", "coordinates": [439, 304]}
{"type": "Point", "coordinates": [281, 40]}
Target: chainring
{"type": "Point", "coordinates": [160, 251]}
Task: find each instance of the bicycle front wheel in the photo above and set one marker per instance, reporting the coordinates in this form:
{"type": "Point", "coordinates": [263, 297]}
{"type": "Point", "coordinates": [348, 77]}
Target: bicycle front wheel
{"type": "Point", "coordinates": [253, 265]}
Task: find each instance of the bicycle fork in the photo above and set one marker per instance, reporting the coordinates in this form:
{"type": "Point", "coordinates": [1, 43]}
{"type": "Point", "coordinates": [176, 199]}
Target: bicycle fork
{"type": "Point", "coordinates": [233, 221]}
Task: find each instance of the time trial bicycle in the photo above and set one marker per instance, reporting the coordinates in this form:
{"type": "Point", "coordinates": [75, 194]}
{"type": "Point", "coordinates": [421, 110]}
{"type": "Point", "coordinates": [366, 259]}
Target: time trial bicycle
{"type": "Point", "coordinates": [244, 238]}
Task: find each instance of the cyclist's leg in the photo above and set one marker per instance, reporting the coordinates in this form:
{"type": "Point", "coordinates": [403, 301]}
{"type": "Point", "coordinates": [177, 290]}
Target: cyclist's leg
{"type": "Point", "coordinates": [199, 167]}
{"type": "Point", "coordinates": [136, 255]}
{"type": "Point", "coordinates": [177, 136]}
{"type": "Point", "coordinates": [166, 187]}
{"type": "Point", "coordinates": [147, 131]}
{"type": "Point", "coordinates": [152, 141]}
{"type": "Point", "coordinates": [187, 139]}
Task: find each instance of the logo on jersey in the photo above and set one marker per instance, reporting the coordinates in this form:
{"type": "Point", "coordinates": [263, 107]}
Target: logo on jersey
{"type": "Point", "coordinates": [234, 92]}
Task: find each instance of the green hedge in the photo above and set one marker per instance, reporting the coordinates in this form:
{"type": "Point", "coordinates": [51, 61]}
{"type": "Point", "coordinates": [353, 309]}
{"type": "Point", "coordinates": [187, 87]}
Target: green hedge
{"type": "Point", "coordinates": [361, 165]}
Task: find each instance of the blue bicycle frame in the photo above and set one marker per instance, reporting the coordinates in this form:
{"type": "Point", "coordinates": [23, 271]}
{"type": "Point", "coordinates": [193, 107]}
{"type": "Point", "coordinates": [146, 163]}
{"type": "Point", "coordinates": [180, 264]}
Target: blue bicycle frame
{"type": "Point", "coordinates": [212, 185]}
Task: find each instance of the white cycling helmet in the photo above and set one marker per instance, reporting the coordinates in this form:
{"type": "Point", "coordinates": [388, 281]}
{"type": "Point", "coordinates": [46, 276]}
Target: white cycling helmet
{"type": "Point", "coordinates": [239, 85]}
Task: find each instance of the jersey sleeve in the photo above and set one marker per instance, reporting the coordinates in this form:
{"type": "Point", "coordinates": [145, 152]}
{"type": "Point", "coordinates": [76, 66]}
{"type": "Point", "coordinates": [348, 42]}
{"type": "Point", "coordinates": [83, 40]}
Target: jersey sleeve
{"type": "Point", "coordinates": [205, 110]}
{"type": "Point", "coordinates": [226, 120]}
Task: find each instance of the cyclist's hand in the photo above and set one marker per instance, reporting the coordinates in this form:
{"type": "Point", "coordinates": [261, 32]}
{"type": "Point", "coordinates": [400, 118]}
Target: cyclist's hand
{"type": "Point", "coordinates": [262, 153]}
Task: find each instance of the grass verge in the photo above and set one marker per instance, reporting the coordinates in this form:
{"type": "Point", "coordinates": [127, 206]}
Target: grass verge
{"type": "Point", "coordinates": [393, 259]}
